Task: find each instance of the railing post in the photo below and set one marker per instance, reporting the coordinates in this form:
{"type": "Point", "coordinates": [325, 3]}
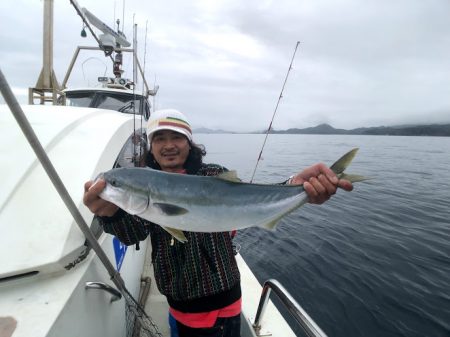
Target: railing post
{"type": "Point", "coordinates": [300, 315]}
{"type": "Point", "coordinates": [261, 308]}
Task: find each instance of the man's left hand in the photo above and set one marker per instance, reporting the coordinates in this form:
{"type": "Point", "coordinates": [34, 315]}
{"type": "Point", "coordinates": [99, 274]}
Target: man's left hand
{"type": "Point", "coordinates": [320, 183]}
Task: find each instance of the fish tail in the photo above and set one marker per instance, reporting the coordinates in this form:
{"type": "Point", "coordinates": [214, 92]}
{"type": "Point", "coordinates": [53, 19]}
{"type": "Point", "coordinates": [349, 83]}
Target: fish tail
{"type": "Point", "coordinates": [353, 178]}
{"type": "Point", "coordinates": [342, 163]}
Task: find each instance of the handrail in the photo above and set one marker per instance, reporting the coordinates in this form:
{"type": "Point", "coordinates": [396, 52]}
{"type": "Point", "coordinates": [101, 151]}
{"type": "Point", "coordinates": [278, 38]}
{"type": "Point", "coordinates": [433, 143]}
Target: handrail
{"type": "Point", "coordinates": [116, 294]}
{"type": "Point", "coordinates": [75, 56]}
{"type": "Point", "coordinates": [305, 321]}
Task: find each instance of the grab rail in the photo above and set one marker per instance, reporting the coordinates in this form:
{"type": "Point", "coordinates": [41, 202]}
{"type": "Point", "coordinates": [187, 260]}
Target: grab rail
{"type": "Point", "coordinates": [305, 321]}
{"type": "Point", "coordinates": [116, 294]}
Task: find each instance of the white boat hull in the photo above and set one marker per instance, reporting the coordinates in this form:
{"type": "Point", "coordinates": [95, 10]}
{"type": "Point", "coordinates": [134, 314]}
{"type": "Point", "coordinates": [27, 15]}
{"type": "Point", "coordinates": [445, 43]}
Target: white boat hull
{"type": "Point", "coordinates": [43, 271]}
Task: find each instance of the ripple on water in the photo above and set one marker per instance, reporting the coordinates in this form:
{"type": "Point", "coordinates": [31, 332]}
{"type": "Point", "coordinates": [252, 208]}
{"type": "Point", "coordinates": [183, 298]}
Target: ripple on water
{"type": "Point", "coordinates": [374, 262]}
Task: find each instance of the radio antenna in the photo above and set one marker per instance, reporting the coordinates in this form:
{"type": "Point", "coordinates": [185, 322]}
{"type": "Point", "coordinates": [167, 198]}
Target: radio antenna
{"type": "Point", "coordinates": [275, 111]}
{"type": "Point", "coordinates": [123, 15]}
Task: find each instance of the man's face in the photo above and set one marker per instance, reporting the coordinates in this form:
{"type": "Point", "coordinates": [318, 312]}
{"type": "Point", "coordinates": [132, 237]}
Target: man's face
{"type": "Point", "coordinates": [170, 150]}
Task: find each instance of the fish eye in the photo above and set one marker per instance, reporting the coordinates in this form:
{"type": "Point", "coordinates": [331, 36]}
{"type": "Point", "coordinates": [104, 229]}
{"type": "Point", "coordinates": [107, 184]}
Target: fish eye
{"type": "Point", "coordinates": [114, 182]}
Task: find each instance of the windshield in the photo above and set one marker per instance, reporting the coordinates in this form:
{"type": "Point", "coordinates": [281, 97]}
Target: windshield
{"type": "Point", "coordinates": [123, 102]}
{"type": "Point", "coordinates": [81, 100]}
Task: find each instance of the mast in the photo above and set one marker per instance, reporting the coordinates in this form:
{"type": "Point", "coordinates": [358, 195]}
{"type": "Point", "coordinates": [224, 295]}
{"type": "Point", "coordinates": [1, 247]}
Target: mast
{"type": "Point", "coordinates": [47, 86]}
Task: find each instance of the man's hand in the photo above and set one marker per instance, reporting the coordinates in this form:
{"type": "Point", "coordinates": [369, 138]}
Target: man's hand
{"type": "Point", "coordinates": [320, 183]}
{"type": "Point", "coordinates": [97, 205]}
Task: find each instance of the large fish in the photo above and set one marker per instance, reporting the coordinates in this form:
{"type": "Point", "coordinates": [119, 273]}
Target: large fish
{"type": "Point", "coordinates": [180, 202]}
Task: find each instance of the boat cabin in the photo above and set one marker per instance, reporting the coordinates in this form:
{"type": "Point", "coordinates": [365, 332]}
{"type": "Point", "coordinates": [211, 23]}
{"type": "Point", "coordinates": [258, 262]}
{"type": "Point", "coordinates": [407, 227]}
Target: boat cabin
{"type": "Point", "coordinates": [122, 100]}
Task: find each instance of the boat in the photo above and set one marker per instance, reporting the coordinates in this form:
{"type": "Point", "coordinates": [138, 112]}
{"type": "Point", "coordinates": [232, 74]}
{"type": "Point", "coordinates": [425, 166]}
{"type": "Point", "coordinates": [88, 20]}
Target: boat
{"type": "Point", "coordinates": [46, 261]}
{"type": "Point", "coordinates": [54, 280]}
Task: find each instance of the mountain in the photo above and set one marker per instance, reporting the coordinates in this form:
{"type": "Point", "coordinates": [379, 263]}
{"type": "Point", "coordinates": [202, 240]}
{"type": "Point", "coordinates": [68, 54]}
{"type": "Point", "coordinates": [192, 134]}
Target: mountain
{"type": "Point", "coordinates": [208, 131]}
{"type": "Point", "coordinates": [438, 130]}
{"type": "Point", "coordinates": [321, 129]}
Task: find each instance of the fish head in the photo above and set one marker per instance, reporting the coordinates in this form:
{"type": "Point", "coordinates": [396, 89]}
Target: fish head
{"type": "Point", "coordinates": [123, 192]}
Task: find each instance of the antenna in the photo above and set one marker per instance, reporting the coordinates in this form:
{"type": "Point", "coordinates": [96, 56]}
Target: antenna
{"type": "Point", "coordinates": [110, 36]}
{"type": "Point", "coordinates": [83, 17]}
{"type": "Point", "coordinates": [110, 41]}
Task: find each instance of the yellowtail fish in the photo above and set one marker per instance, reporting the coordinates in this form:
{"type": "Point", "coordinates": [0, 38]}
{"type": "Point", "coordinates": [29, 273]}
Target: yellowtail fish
{"type": "Point", "coordinates": [180, 202]}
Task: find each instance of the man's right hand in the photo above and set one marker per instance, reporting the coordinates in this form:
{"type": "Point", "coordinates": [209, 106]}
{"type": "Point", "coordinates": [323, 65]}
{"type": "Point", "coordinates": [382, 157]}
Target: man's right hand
{"type": "Point", "coordinates": [97, 205]}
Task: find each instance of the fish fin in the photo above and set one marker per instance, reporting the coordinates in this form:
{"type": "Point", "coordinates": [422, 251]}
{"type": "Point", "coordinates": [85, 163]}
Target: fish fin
{"type": "Point", "coordinates": [342, 163]}
{"type": "Point", "coordinates": [229, 176]}
{"type": "Point", "coordinates": [170, 209]}
{"type": "Point", "coordinates": [272, 225]}
{"type": "Point", "coordinates": [176, 233]}
{"type": "Point", "coordinates": [353, 178]}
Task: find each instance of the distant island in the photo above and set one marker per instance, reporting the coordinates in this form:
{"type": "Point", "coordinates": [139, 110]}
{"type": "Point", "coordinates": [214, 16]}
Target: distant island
{"type": "Point", "coordinates": [434, 130]}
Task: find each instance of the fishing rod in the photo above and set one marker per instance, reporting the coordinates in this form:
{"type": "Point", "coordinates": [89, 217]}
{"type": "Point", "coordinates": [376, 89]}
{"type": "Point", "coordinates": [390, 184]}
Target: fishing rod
{"type": "Point", "coordinates": [141, 149]}
{"type": "Point", "coordinates": [275, 111]}
{"type": "Point", "coordinates": [134, 155]}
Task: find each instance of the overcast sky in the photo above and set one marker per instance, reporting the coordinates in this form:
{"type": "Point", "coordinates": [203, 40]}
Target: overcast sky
{"type": "Point", "coordinates": [223, 62]}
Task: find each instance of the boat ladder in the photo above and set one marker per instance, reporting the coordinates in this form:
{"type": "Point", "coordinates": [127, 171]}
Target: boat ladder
{"type": "Point", "coordinates": [306, 322]}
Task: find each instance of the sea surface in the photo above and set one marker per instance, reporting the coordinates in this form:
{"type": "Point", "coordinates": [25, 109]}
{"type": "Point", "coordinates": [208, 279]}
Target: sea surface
{"type": "Point", "coordinates": [374, 262]}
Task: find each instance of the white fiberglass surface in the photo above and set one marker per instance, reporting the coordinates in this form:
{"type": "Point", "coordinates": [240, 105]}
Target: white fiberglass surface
{"type": "Point", "coordinates": [38, 230]}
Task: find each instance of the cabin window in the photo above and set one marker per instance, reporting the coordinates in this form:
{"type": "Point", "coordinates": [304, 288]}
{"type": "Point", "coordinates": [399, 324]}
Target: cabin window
{"type": "Point", "coordinates": [80, 100]}
{"type": "Point", "coordinates": [122, 103]}
{"type": "Point", "coordinates": [126, 103]}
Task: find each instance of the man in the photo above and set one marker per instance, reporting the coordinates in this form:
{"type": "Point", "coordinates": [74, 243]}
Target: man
{"type": "Point", "coordinates": [200, 278]}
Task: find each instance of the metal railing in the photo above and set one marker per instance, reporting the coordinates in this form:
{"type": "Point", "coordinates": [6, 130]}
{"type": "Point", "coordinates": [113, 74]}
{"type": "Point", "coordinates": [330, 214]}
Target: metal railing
{"type": "Point", "coordinates": [116, 294]}
{"type": "Point", "coordinates": [305, 321]}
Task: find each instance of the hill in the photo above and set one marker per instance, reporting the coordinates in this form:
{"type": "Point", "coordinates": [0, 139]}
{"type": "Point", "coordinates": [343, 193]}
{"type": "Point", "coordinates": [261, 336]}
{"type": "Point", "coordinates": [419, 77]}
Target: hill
{"type": "Point", "coordinates": [439, 130]}
{"type": "Point", "coordinates": [209, 131]}
{"type": "Point", "coordinates": [436, 130]}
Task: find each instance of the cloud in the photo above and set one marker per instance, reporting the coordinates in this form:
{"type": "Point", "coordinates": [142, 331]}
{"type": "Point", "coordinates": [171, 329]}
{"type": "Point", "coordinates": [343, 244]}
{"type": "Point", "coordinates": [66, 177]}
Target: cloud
{"type": "Point", "coordinates": [224, 62]}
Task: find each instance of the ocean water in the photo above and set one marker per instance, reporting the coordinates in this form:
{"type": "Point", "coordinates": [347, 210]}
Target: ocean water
{"type": "Point", "coordinates": [371, 262]}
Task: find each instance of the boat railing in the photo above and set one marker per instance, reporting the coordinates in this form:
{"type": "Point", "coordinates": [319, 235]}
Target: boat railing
{"type": "Point", "coordinates": [116, 294]}
{"type": "Point", "coordinates": [306, 322]}
{"type": "Point", "coordinates": [148, 91]}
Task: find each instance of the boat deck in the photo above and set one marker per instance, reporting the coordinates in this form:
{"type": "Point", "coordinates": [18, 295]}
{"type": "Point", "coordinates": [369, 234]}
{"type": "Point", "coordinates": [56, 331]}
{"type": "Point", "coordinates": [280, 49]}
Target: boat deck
{"type": "Point", "coordinates": [273, 323]}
